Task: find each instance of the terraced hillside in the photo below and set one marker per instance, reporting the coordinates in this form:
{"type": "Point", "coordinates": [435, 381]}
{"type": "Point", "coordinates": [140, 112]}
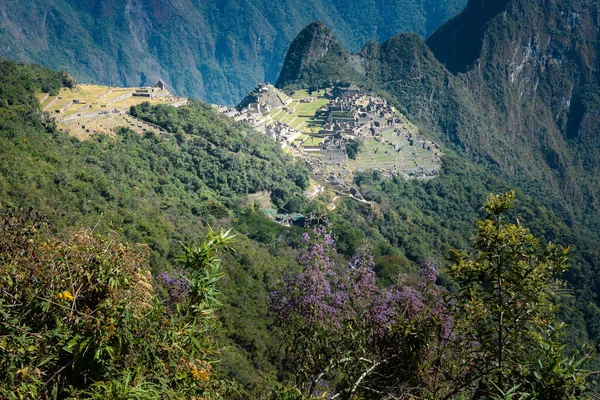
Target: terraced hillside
{"type": "Point", "coordinates": [319, 127]}
{"type": "Point", "coordinates": [91, 109]}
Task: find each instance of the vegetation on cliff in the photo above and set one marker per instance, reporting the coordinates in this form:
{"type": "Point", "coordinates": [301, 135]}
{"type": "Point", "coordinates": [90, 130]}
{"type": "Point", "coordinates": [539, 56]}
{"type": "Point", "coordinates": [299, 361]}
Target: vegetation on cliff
{"type": "Point", "coordinates": [215, 51]}
{"type": "Point", "coordinates": [162, 192]}
{"type": "Point", "coordinates": [520, 100]}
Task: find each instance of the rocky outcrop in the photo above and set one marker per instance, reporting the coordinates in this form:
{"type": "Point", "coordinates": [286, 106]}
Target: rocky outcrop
{"type": "Point", "coordinates": [313, 44]}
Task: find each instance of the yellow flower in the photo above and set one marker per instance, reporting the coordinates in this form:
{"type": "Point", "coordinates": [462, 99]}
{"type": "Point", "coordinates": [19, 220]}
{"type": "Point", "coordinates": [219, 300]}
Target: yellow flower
{"type": "Point", "coordinates": [66, 295]}
{"type": "Point", "coordinates": [202, 374]}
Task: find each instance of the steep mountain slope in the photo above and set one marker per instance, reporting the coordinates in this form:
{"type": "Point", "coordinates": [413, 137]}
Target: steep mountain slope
{"type": "Point", "coordinates": [315, 55]}
{"type": "Point", "coordinates": [522, 97]}
{"type": "Point", "coordinates": [213, 50]}
{"type": "Point", "coordinates": [458, 42]}
{"type": "Point", "coordinates": [536, 78]}
{"type": "Point", "coordinates": [527, 100]}
{"type": "Point", "coordinates": [162, 190]}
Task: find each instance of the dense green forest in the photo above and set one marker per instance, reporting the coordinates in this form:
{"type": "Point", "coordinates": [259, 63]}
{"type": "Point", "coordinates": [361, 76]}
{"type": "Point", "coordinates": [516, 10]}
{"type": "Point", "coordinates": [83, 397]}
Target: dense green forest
{"type": "Point", "coordinates": [159, 196]}
{"type": "Point", "coordinates": [491, 116]}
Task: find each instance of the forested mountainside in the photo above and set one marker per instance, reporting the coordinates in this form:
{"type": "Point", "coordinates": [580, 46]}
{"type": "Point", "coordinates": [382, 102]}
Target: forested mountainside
{"type": "Point", "coordinates": [525, 101]}
{"type": "Point", "coordinates": [211, 50]}
{"type": "Point", "coordinates": [163, 192]}
{"type": "Point", "coordinates": [514, 87]}
{"type": "Point", "coordinates": [120, 277]}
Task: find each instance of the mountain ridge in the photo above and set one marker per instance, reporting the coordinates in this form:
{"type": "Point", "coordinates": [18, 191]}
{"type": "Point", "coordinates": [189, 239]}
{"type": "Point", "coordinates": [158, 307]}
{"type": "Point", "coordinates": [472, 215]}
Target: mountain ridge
{"type": "Point", "coordinates": [527, 107]}
{"type": "Point", "coordinates": [214, 51]}
{"type": "Point", "coordinates": [525, 103]}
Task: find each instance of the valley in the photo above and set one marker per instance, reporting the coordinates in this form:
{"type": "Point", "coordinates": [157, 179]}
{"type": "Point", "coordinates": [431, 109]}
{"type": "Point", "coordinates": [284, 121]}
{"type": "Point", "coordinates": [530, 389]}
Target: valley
{"type": "Point", "coordinates": [210, 50]}
{"type": "Point", "coordinates": [414, 219]}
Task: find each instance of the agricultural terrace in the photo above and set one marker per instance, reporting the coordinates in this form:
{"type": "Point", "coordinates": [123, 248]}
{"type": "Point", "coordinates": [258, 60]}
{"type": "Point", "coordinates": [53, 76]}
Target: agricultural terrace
{"type": "Point", "coordinates": [92, 109]}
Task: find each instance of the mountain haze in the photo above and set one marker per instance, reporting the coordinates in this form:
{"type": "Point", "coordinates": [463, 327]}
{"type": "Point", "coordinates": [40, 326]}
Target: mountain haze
{"type": "Point", "coordinates": [213, 50]}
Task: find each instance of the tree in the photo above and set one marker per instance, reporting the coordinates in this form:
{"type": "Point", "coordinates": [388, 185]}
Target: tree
{"type": "Point", "coordinates": [83, 317]}
{"type": "Point", "coordinates": [506, 314]}
{"type": "Point", "coordinates": [347, 336]}
{"type": "Point", "coordinates": [352, 148]}
{"type": "Point", "coordinates": [495, 337]}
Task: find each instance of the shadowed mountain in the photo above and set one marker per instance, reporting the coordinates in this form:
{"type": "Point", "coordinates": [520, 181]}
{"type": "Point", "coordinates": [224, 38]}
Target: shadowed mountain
{"type": "Point", "coordinates": [457, 44]}
{"type": "Point", "coordinates": [213, 50]}
{"type": "Point", "coordinates": [516, 88]}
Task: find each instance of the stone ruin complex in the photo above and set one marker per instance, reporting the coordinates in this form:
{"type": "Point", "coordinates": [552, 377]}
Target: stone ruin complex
{"type": "Point", "coordinates": [264, 98]}
{"type": "Point", "coordinates": [350, 114]}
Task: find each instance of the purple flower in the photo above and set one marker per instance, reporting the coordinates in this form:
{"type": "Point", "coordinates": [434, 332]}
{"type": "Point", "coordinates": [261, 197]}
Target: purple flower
{"type": "Point", "coordinates": [410, 300]}
{"type": "Point", "coordinates": [305, 237]}
{"type": "Point", "coordinates": [176, 285]}
{"type": "Point", "coordinates": [334, 300]}
{"type": "Point", "coordinates": [328, 240]}
{"type": "Point", "coordinates": [440, 311]}
{"type": "Point", "coordinates": [429, 272]}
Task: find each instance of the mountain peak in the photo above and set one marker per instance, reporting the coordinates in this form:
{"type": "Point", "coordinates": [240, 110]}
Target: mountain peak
{"type": "Point", "coordinates": [313, 43]}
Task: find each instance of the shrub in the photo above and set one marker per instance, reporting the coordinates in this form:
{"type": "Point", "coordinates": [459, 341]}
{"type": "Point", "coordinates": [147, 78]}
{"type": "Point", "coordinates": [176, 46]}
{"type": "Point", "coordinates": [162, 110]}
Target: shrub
{"type": "Point", "coordinates": [84, 317]}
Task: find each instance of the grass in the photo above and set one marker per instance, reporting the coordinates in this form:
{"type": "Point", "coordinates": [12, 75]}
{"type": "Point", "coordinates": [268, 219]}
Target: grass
{"type": "Point", "coordinates": [373, 155]}
{"type": "Point", "coordinates": [314, 141]}
{"type": "Point", "coordinates": [309, 109]}
{"type": "Point", "coordinates": [302, 94]}
{"type": "Point", "coordinates": [288, 118]}
{"type": "Point", "coordinates": [302, 116]}
{"type": "Point", "coordinates": [98, 98]}
{"type": "Point", "coordinates": [262, 198]}
{"type": "Point", "coordinates": [116, 93]}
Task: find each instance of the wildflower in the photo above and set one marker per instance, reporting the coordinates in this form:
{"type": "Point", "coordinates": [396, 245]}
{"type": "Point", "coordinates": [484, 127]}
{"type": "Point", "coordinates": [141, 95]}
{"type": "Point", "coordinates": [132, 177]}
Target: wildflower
{"type": "Point", "coordinates": [66, 296]}
{"type": "Point", "coordinates": [202, 374]}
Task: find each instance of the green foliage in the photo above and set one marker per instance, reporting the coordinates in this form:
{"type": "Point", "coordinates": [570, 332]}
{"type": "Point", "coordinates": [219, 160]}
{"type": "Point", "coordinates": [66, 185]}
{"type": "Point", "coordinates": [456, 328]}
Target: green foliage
{"type": "Point", "coordinates": [157, 190]}
{"type": "Point", "coordinates": [217, 58]}
{"type": "Point", "coordinates": [160, 191]}
{"type": "Point", "coordinates": [202, 266]}
{"type": "Point", "coordinates": [547, 150]}
{"type": "Point", "coordinates": [506, 309]}
{"type": "Point", "coordinates": [496, 336]}
{"type": "Point", "coordinates": [18, 86]}
{"type": "Point", "coordinates": [415, 220]}
{"type": "Point", "coordinates": [226, 155]}
{"type": "Point", "coordinates": [353, 148]}
{"type": "Point", "coordinates": [84, 317]}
